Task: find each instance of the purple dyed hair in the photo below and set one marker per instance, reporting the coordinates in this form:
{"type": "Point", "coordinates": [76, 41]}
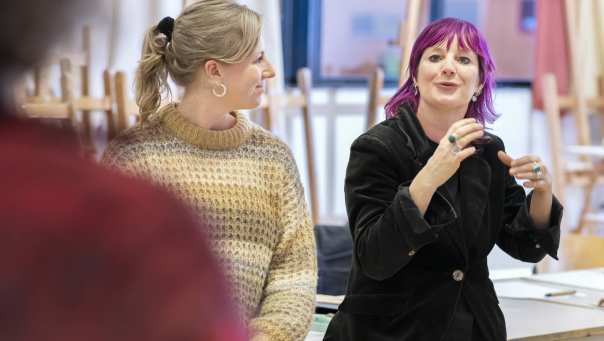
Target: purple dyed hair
{"type": "Point", "coordinates": [446, 30]}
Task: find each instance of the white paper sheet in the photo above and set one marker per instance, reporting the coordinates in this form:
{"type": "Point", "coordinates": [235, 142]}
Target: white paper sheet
{"type": "Point", "coordinates": [522, 289]}
{"type": "Point", "coordinates": [590, 279]}
{"type": "Point", "coordinates": [329, 299]}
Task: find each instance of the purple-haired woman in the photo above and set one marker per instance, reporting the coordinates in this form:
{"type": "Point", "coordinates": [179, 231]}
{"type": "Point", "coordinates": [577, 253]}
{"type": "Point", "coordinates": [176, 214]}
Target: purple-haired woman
{"type": "Point", "coordinates": [429, 193]}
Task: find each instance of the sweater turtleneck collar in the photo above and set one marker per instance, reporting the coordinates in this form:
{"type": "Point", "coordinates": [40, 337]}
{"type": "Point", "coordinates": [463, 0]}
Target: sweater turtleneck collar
{"type": "Point", "coordinates": [205, 138]}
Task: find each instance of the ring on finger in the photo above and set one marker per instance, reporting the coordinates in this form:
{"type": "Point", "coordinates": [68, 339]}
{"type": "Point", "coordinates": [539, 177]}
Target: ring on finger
{"type": "Point", "coordinates": [537, 170]}
{"type": "Point", "coordinates": [452, 138]}
{"type": "Point", "coordinates": [536, 167]}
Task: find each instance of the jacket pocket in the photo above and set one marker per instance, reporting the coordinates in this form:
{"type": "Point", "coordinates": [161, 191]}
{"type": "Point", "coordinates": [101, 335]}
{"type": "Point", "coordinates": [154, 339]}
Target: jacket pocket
{"type": "Point", "coordinates": [376, 305]}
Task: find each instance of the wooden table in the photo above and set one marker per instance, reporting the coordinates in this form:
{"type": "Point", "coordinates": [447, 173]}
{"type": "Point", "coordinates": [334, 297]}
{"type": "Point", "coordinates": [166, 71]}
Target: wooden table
{"type": "Point", "coordinates": [540, 320]}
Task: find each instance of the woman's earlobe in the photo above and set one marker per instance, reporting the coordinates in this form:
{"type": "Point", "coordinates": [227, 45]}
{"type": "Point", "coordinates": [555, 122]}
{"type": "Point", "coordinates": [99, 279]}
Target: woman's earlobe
{"type": "Point", "coordinates": [479, 91]}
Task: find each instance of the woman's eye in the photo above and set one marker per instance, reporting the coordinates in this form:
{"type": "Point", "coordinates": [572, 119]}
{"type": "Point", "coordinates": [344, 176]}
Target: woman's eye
{"type": "Point", "coordinates": [434, 58]}
{"type": "Point", "coordinates": [465, 60]}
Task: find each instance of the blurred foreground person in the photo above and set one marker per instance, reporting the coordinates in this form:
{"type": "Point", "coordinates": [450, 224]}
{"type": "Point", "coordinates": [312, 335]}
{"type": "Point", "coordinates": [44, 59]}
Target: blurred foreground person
{"type": "Point", "coordinates": [85, 253]}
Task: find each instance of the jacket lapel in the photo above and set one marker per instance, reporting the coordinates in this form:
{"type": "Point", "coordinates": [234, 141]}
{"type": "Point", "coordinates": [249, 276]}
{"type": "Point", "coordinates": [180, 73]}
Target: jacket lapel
{"type": "Point", "coordinates": [455, 231]}
{"type": "Point", "coordinates": [475, 180]}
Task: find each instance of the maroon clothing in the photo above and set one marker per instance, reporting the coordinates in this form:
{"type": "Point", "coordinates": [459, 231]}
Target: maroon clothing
{"type": "Point", "coordinates": [89, 254]}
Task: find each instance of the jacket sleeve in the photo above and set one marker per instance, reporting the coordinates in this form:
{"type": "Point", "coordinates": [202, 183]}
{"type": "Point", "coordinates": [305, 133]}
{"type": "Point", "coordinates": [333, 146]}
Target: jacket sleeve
{"type": "Point", "coordinates": [288, 301]}
{"type": "Point", "coordinates": [387, 227]}
{"type": "Point", "coordinates": [519, 237]}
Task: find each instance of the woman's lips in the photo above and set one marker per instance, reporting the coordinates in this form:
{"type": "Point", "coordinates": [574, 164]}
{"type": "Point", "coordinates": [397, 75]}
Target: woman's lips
{"type": "Point", "coordinates": [447, 83]}
{"type": "Point", "coordinates": [447, 86]}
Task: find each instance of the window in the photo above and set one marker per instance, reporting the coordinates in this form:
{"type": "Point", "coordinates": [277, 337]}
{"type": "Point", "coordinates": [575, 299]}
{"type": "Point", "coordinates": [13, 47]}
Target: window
{"type": "Point", "coordinates": [342, 41]}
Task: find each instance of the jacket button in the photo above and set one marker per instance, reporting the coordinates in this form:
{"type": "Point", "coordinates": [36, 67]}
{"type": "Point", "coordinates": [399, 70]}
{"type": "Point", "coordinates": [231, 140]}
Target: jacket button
{"type": "Point", "coordinates": [411, 253]}
{"type": "Point", "coordinates": [458, 275]}
{"type": "Point", "coordinates": [537, 246]}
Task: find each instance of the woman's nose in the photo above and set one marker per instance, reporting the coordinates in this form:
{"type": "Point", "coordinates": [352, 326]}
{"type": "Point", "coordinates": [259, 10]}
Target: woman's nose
{"type": "Point", "coordinates": [448, 67]}
{"type": "Point", "coordinates": [268, 72]}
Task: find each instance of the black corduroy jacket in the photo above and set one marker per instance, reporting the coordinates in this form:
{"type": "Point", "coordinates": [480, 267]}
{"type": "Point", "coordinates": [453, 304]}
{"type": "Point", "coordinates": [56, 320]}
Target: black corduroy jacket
{"type": "Point", "coordinates": [409, 272]}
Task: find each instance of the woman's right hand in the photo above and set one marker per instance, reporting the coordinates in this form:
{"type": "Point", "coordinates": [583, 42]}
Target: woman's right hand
{"type": "Point", "coordinates": [448, 155]}
{"type": "Point", "coordinates": [445, 161]}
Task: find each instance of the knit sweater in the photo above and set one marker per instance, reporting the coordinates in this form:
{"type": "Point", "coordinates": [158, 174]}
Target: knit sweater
{"type": "Point", "coordinates": [244, 184]}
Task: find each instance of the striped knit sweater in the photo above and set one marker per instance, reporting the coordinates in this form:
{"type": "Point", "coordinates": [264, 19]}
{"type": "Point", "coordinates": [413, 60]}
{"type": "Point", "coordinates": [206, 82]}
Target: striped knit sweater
{"type": "Point", "coordinates": [244, 185]}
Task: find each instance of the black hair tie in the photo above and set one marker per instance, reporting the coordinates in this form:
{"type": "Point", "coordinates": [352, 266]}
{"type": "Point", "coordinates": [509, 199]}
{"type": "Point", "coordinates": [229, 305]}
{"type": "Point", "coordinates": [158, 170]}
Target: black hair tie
{"type": "Point", "coordinates": [166, 26]}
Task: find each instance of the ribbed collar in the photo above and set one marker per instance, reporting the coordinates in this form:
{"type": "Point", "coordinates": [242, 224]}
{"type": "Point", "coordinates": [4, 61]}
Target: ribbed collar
{"type": "Point", "coordinates": [205, 138]}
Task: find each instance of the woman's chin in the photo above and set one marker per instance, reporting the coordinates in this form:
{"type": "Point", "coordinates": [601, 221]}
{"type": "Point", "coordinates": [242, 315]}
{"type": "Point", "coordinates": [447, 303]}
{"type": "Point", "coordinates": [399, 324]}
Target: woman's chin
{"type": "Point", "coordinates": [253, 103]}
{"type": "Point", "coordinates": [445, 102]}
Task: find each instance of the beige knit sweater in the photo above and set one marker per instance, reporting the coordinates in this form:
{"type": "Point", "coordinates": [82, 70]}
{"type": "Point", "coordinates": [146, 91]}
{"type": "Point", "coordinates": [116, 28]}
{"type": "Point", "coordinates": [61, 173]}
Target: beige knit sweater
{"type": "Point", "coordinates": [244, 184]}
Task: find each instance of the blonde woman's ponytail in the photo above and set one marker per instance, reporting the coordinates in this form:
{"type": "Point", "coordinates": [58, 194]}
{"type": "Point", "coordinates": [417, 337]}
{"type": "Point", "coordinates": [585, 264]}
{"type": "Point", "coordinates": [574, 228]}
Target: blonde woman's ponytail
{"type": "Point", "coordinates": [151, 75]}
{"type": "Point", "coordinates": [219, 30]}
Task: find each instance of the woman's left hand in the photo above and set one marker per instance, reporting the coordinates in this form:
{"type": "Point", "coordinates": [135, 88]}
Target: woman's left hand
{"type": "Point", "coordinates": [529, 168]}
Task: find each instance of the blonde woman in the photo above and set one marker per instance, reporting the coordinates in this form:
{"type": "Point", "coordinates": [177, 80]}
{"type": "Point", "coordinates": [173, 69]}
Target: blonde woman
{"type": "Point", "coordinates": [240, 179]}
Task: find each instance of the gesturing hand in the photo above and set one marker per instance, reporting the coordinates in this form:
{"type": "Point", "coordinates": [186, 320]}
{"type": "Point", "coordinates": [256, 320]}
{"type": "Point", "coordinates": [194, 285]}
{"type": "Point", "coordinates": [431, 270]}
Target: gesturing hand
{"type": "Point", "coordinates": [528, 168]}
{"type": "Point", "coordinates": [451, 150]}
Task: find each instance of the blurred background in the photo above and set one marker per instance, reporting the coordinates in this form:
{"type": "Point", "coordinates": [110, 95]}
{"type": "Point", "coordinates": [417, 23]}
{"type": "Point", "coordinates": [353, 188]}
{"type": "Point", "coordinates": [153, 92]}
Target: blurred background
{"type": "Point", "coordinates": [337, 63]}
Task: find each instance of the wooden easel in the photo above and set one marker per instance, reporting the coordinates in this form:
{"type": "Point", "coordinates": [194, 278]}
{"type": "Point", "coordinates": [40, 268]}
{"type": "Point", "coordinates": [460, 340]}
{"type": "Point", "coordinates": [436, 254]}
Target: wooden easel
{"type": "Point", "coordinates": [580, 248]}
{"type": "Point", "coordinates": [65, 108]}
{"type": "Point", "coordinates": [276, 103]}
{"type": "Point", "coordinates": [584, 173]}
{"type": "Point", "coordinates": [305, 85]}
{"type": "Point", "coordinates": [407, 35]}
{"type": "Point", "coordinates": [42, 105]}
{"type": "Point", "coordinates": [408, 32]}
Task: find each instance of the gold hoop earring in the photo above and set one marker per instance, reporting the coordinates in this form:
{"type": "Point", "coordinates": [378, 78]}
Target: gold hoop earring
{"type": "Point", "coordinates": [223, 89]}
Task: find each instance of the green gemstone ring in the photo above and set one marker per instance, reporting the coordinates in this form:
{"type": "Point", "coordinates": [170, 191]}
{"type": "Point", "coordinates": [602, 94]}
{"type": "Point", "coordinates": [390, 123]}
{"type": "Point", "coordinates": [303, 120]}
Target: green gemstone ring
{"type": "Point", "coordinates": [536, 168]}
